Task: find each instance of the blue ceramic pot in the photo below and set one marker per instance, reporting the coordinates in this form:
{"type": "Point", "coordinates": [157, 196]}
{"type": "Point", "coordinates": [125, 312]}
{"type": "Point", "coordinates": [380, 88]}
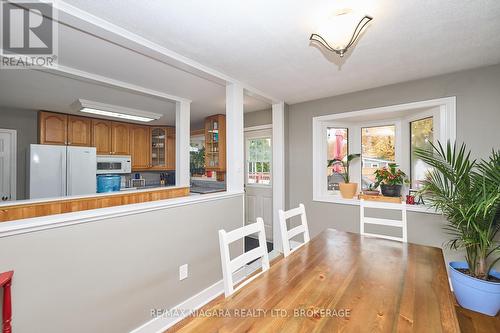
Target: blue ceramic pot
{"type": "Point", "coordinates": [475, 294]}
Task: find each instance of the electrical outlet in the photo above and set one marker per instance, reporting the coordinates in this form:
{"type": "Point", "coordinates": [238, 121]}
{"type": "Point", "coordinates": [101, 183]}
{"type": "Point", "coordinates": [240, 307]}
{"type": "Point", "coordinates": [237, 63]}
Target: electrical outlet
{"type": "Point", "coordinates": [183, 272]}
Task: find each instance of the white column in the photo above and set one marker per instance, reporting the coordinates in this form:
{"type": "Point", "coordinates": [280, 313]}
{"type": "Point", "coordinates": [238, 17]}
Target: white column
{"type": "Point", "coordinates": [182, 137]}
{"type": "Point", "coordinates": [234, 138]}
{"type": "Point", "coordinates": [278, 169]}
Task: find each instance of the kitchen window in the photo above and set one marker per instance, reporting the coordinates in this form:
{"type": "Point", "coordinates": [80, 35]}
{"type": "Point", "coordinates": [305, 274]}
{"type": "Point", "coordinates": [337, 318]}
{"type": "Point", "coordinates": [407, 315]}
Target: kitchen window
{"type": "Point", "coordinates": [381, 136]}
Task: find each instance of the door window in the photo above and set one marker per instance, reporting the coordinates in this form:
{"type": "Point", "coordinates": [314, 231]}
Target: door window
{"type": "Point", "coordinates": [259, 161]}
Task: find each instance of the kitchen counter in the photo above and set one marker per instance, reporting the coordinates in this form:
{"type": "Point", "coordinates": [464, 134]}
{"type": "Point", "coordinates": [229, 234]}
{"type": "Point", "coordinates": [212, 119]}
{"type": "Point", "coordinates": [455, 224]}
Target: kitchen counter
{"type": "Point", "coordinates": [23, 209]}
{"type": "Point", "coordinates": [206, 186]}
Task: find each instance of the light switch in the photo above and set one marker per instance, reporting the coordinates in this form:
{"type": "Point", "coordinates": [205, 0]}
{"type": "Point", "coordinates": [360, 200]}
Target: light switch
{"type": "Point", "coordinates": [183, 272]}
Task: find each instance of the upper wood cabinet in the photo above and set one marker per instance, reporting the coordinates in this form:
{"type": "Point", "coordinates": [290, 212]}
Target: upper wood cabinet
{"type": "Point", "coordinates": [215, 143]}
{"type": "Point", "coordinates": [171, 148]}
{"type": "Point", "coordinates": [79, 131]}
{"type": "Point", "coordinates": [101, 136]}
{"type": "Point", "coordinates": [163, 148]}
{"type": "Point", "coordinates": [120, 138]}
{"type": "Point", "coordinates": [53, 128]}
{"type": "Point", "coordinates": [140, 143]}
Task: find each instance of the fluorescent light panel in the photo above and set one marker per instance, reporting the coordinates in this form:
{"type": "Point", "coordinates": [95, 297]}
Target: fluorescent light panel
{"type": "Point", "coordinates": [115, 111]}
{"type": "Point", "coordinates": [116, 115]}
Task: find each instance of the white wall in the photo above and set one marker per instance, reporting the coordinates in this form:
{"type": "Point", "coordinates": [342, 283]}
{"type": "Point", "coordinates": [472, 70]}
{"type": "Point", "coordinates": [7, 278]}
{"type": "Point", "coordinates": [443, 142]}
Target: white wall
{"type": "Point", "coordinates": [106, 275]}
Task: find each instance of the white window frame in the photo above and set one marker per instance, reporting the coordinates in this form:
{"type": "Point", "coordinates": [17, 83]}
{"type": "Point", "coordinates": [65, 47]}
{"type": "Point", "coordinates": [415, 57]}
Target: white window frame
{"type": "Point", "coordinates": [443, 109]}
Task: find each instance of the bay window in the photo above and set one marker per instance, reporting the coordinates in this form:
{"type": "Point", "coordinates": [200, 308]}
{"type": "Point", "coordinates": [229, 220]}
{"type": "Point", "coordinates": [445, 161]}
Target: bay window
{"type": "Point", "coordinates": [382, 136]}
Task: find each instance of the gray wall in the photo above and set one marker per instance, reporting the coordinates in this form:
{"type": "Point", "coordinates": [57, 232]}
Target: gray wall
{"type": "Point", "coordinates": [478, 119]}
{"type": "Point", "coordinates": [106, 276]}
{"type": "Point", "coordinates": [258, 118]}
{"type": "Point", "coordinates": [25, 122]}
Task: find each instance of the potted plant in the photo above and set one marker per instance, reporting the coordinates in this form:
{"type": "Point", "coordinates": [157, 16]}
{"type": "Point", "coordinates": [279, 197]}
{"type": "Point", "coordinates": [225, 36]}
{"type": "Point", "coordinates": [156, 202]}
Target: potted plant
{"type": "Point", "coordinates": [371, 190]}
{"type": "Point", "coordinates": [467, 192]}
{"type": "Point", "coordinates": [390, 179]}
{"type": "Point", "coordinates": [347, 189]}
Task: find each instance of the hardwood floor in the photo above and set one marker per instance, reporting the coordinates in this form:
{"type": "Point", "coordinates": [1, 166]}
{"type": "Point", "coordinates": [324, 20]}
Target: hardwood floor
{"type": "Point", "coordinates": [473, 322]}
{"type": "Point", "coordinates": [385, 286]}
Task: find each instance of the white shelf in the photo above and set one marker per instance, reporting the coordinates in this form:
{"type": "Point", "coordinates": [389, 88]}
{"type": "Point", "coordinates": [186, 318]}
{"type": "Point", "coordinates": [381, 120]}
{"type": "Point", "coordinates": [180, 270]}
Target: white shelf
{"type": "Point", "coordinates": [337, 199]}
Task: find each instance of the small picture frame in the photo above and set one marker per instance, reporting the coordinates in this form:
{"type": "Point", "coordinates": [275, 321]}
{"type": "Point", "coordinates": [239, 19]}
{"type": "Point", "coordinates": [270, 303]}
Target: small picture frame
{"type": "Point", "coordinates": [418, 198]}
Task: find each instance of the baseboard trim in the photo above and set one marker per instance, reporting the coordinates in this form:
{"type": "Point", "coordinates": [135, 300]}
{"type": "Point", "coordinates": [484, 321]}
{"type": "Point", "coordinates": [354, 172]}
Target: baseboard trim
{"type": "Point", "coordinates": [161, 324]}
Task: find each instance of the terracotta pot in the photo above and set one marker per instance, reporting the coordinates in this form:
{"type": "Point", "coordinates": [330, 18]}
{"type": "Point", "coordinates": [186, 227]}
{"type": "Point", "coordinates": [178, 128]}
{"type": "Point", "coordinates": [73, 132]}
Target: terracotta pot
{"type": "Point", "coordinates": [348, 190]}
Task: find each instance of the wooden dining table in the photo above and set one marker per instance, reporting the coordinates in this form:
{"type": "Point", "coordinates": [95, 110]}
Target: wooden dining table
{"type": "Point", "coordinates": [339, 282]}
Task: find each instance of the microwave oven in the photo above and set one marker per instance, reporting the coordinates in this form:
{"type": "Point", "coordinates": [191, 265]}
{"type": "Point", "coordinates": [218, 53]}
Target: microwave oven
{"type": "Point", "coordinates": [114, 164]}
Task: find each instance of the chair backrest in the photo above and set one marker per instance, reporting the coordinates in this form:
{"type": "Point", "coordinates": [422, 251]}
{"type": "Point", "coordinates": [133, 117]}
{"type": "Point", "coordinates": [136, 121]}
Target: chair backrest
{"type": "Point", "coordinates": [380, 221]}
{"type": "Point", "coordinates": [230, 266]}
{"type": "Point", "coordinates": [286, 234]}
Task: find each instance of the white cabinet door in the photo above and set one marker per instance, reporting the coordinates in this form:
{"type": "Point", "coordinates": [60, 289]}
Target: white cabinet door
{"type": "Point", "coordinates": [7, 165]}
{"type": "Point", "coordinates": [258, 182]}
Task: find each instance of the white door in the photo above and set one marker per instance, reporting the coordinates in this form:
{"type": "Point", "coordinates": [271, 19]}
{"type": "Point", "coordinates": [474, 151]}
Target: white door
{"type": "Point", "coordinates": [8, 163]}
{"type": "Point", "coordinates": [81, 169]}
{"type": "Point", "coordinates": [258, 182]}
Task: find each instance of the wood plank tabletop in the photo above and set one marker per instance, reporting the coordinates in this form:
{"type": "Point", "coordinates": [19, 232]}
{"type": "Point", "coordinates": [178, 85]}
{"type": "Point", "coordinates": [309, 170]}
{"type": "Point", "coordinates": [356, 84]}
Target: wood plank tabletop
{"type": "Point", "coordinates": [340, 282]}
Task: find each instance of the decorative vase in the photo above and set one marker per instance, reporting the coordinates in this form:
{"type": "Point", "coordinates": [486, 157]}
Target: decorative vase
{"type": "Point", "coordinates": [475, 294]}
{"type": "Point", "coordinates": [348, 190]}
{"type": "Point", "coordinates": [391, 190]}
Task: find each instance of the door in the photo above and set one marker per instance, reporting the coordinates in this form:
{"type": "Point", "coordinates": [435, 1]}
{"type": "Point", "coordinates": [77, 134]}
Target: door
{"type": "Point", "coordinates": [120, 138]}
{"type": "Point", "coordinates": [258, 182]}
{"type": "Point", "coordinates": [81, 169]}
{"type": "Point", "coordinates": [101, 136]}
{"type": "Point", "coordinates": [79, 131]}
{"type": "Point", "coordinates": [53, 128]}
{"type": "Point", "coordinates": [140, 141]}
{"type": "Point", "coordinates": [47, 171]}
{"type": "Point", "coordinates": [8, 148]}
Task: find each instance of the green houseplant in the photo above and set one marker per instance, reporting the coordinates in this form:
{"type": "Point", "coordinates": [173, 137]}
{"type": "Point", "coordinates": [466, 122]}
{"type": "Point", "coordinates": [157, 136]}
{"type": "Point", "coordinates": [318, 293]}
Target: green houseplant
{"type": "Point", "coordinates": [347, 189]}
{"type": "Point", "coordinates": [467, 192]}
{"type": "Point", "coordinates": [390, 180]}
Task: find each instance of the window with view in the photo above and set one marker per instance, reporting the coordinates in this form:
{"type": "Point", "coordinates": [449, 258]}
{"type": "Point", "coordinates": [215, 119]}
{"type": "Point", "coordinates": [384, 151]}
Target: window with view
{"type": "Point", "coordinates": [336, 149]}
{"type": "Point", "coordinates": [259, 161]}
{"type": "Point", "coordinates": [422, 134]}
{"type": "Point", "coordinates": [377, 151]}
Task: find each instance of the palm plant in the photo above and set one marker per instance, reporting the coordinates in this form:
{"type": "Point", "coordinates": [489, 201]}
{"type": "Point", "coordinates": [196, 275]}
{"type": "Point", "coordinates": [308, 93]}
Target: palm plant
{"type": "Point", "coordinates": [467, 192]}
{"type": "Point", "coordinates": [345, 162]}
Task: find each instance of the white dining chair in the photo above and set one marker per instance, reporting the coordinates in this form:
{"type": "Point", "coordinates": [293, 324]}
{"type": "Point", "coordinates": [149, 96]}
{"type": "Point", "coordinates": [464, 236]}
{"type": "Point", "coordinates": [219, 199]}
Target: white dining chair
{"type": "Point", "coordinates": [230, 266]}
{"type": "Point", "coordinates": [287, 235]}
{"type": "Point", "coordinates": [402, 223]}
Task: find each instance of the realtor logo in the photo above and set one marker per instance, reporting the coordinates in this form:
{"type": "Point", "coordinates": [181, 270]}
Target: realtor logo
{"type": "Point", "coordinates": [28, 34]}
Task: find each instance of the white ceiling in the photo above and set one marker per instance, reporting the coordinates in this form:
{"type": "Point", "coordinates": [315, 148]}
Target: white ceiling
{"type": "Point", "coordinates": [265, 43]}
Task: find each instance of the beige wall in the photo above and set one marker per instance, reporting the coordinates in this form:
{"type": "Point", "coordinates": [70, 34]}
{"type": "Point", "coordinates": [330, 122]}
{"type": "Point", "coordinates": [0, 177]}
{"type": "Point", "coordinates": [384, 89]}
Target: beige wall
{"type": "Point", "coordinates": [258, 118]}
{"type": "Point", "coordinates": [478, 119]}
{"type": "Point", "coordinates": [105, 276]}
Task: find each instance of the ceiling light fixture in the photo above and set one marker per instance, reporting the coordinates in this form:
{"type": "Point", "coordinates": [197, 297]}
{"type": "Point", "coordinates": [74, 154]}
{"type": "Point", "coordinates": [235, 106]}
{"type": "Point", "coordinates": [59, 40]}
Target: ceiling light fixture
{"type": "Point", "coordinates": [114, 111]}
{"type": "Point", "coordinates": [337, 35]}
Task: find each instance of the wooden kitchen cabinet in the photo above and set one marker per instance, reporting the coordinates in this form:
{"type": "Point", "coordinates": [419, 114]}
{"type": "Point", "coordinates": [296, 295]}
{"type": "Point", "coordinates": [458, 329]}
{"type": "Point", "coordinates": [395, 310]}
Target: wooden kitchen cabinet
{"type": "Point", "coordinates": [140, 143]}
{"type": "Point", "coordinates": [101, 136]}
{"type": "Point", "coordinates": [215, 144]}
{"type": "Point", "coordinates": [79, 131]}
{"type": "Point", "coordinates": [171, 148]}
{"type": "Point", "coordinates": [120, 138]}
{"type": "Point", "coordinates": [53, 128]}
{"type": "Point", "coordinates": [162, 148]}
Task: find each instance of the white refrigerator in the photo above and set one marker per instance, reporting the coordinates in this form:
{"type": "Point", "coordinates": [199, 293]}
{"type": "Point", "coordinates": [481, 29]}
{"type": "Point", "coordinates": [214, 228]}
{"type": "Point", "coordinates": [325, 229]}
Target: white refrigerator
{"type": "Point", "coordinates": [56, 171]}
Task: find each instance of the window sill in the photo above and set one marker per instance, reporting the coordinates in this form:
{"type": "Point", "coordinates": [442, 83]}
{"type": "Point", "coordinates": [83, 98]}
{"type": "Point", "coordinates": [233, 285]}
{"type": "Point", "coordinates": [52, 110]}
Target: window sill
{"type": "Point", "coordinates": [355, 202]}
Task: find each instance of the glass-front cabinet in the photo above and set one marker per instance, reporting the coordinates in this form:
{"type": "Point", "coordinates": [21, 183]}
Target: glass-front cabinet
{"type": "Point", "coordinates": [215, 145]}
{"type": "Point", "coordinates": [163, 148]}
